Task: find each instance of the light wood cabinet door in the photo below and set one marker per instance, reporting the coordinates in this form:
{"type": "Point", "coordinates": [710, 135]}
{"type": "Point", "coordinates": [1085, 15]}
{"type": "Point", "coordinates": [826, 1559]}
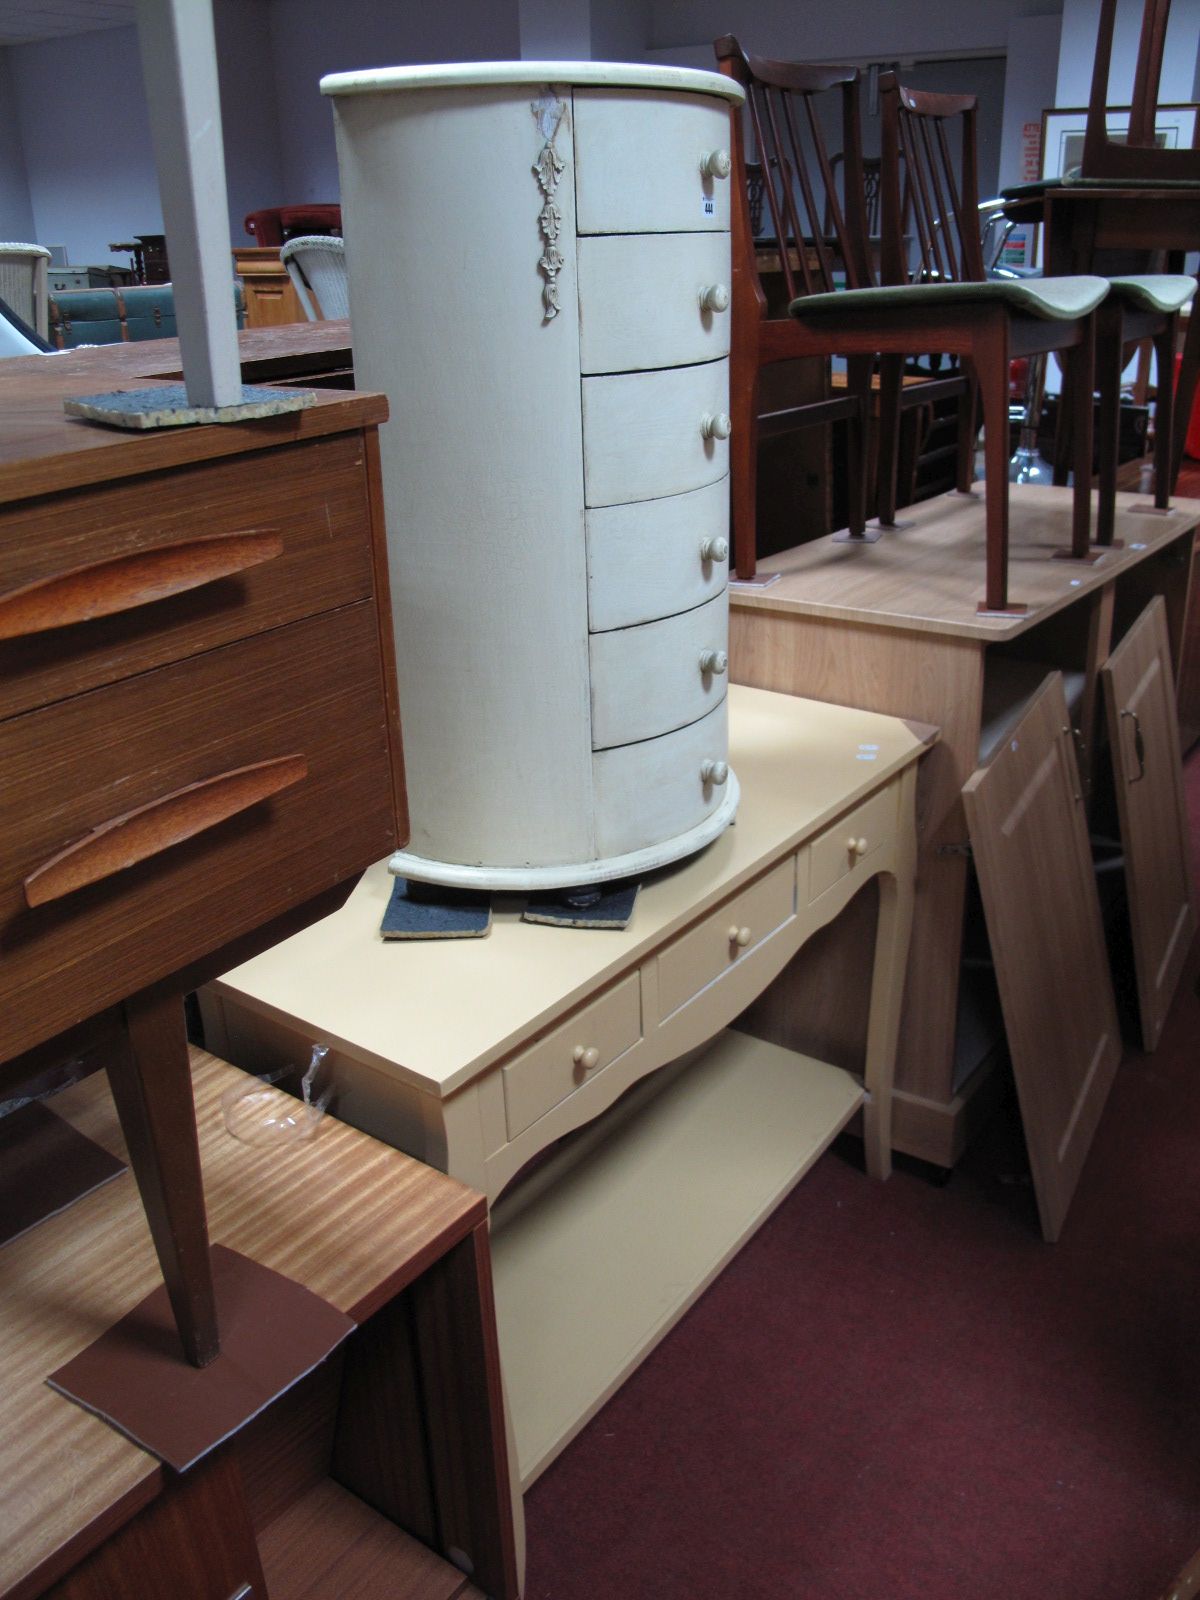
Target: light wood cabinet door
{"type": "Point", "coordinates": [1143, 732]}
{"type": "Point", "coordinates": [1029, 839]}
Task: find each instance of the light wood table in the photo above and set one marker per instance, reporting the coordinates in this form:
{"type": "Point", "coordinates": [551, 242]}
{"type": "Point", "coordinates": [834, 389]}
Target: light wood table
{"type": "Point", "coordinates": [479, 1055]}
{"type": "Point", "coordinates": [86, 1512]}
{"type": "Point", "coordinates": [893, 626]}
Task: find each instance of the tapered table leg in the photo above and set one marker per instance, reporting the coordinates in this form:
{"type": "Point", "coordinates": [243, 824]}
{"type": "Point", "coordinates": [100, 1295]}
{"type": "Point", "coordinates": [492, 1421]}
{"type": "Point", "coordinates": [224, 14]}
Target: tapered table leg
{"type": "Point", "coordinates": [151, 1084]}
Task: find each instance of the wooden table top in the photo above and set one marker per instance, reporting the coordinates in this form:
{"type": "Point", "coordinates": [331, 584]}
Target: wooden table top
{"type": "Point", "coordinates": [42, 450]}
{"type": "Point", "coordinates": [353, 1220]}
{"type": "Point", "coordinates": [438, 1013]}
{"type": "Point", "coordinates": [927, 576]}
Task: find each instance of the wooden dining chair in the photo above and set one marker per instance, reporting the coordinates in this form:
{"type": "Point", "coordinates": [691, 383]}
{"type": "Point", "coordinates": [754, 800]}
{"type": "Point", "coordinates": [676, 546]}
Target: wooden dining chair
{"type": "Point", "coordinates": [1142, 200]}
{"type": "Point", "coordinates": [955, 308]}
{"type": "Point", "coordinates": [819, 242]}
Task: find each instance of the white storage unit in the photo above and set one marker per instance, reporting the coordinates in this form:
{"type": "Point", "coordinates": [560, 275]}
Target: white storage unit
{"type": "Point", "coordinates": [538, 256]}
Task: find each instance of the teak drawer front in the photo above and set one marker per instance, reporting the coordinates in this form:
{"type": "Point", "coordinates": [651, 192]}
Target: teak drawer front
{"type": "Point", "coordinates": [653, 300]}
{"type": "Point", "coordinates": [577, 1051]}
{"type": "Point", "coordinates": [727, 936]}
{"type": "Point", "coordinates": [659, 676]}
{"type": "Point", "coordinates": [638, 158]}
{"type": "Point", "coordinates": [656, 557]}
{"type": "Point", "coordinates": [852, 841]}
{"type": "Point", "coordinates": [313, 690]}
{"type": "Point", "coordinates": [648, 434]}
{"type": "Point", "coordinates": [310, 500]}
{"type": "Point", "coordinates": [657, 787]}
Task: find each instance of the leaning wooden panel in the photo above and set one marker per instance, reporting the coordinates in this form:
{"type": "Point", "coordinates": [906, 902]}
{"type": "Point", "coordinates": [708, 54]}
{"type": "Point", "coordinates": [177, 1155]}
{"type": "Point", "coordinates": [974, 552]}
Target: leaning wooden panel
{"type": "Point", "coordinates": [1143, 732]}
{"type": "Point", "coordinates": [1029, 838]}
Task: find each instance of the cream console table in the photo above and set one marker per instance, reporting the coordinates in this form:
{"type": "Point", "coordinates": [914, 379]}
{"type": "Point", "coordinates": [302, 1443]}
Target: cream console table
{"type": "Point", "coordinates": [477, 1055]}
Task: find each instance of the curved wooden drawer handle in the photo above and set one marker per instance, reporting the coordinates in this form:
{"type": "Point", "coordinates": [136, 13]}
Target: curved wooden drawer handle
{"type": "Point", "coordinates": [138, 834]}
{"type": "Point", "coordinates": [124, 582]}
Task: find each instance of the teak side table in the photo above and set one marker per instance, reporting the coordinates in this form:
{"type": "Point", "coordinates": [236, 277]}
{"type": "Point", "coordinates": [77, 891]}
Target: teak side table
{"type": "Point", "coordinates": [198, 729]}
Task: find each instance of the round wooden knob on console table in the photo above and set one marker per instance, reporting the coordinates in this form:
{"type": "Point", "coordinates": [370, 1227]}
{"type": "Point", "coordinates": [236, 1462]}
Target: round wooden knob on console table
{"type": "Point", "coordinates": [714, 298]}
{"type": "Point", "coordinates": [715, 661]}
{"type": "Point", "coordinates": [716, 772]}
{"type": "Point", "coordinates": [856, 847]}
{"type": "Point", "coordinates": [739, 937]}
{"type": "Point", "coordinates": [716, 164]}
{"type": "Point", "coordinates": [587, 1057]}
{"type": "Point", "coordinates": [714, 549]}
{"type": "Point", "coordinates": [718, 426]}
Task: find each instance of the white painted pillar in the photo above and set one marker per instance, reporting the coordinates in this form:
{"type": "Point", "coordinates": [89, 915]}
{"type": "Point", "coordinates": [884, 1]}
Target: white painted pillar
{"type": "Point", "coordinates": [179, 64]}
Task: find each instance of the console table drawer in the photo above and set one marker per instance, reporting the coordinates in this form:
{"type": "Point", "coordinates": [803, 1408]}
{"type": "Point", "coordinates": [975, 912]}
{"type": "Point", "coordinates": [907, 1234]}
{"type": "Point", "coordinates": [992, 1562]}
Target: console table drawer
{"type": "Point", "coordinates": [851, 841]}
{"type": "Point", "coordinates": [725, 937]}
{"type": "Point", "coordinates": [580, 1048]}
{"type": "Point", "coordinates": [114, 580]}
{"type": "Point", "coordinates": [133, 838]}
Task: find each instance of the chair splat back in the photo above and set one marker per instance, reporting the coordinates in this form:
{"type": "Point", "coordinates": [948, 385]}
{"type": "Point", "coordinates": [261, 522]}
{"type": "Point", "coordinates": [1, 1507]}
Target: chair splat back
{"type": "Point", "coordinates": [1138, 159]}
{"type": "Point", "coordinates": [821, 233]}
{"type": "Point", "coordinates": [938, 203]}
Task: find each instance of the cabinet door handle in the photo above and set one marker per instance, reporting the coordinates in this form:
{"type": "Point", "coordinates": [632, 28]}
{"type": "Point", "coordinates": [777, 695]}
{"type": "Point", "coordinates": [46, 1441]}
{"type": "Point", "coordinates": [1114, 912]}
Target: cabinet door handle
{"type": "Point", "coordinates": [715, 425]}
{"type": "Point", "coordinates": [146, 831]}
{"type": "Point", "coordinates": [587, 1057]}
{"type": "Point", "coordinates": [716, 163]}
{"type": "Point", "coordinates": [125, 582]}
{"type": "Point", "coordinates": [1139, 745]}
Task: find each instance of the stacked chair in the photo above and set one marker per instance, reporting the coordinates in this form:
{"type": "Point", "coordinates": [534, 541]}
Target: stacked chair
{"type": "Point", "coordinates": [935, 296]}
{"type": "Point", "coordinates": [1130, 199]}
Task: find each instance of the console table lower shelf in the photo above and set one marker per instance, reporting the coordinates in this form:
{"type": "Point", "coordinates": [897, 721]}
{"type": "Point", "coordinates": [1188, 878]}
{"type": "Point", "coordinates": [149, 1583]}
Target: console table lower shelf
{"type": "Point", "coordinates": [608, 1243]}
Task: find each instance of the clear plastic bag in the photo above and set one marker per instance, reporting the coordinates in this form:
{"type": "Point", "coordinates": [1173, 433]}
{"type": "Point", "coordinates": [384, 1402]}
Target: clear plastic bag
{"type": "Point", "coordinates": [256, 1112]}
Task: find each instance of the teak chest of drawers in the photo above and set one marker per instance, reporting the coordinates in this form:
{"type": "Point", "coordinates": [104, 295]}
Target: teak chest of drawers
{"type": "Point", "coordinates": [478, 1055]}
{"type": "Point", "coordinates": [553, 340]}
{"type": "Point", "coordinates": [198, 730]}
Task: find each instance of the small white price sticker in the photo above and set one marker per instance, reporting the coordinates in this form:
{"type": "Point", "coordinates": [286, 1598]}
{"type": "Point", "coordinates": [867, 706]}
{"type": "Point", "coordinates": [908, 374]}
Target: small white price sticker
{"type": "Point", "coordinates": [708, 206]}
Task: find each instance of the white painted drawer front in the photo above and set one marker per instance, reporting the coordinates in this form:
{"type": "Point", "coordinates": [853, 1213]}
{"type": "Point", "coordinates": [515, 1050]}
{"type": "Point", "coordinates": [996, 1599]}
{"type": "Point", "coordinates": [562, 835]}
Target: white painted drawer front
{"type": "Point", "coordinates": [576, 1051]}
{"type": "Point", "coordinates": [652, 300]}
{"type": "Point", "coordinates": [659, 676]}
{"type": "Point", "coordinates": [648, 434]}
{"type": "Point", "coordinates": [657, 788]}
{"type": "Point", "coordinates": [727, 936]}
{"type": "Point", "coordinates": [656, 557]}
{"type": "Point", "coordinates": [852, 841]}
{"type": "Point", "coordinates": [638, 162]}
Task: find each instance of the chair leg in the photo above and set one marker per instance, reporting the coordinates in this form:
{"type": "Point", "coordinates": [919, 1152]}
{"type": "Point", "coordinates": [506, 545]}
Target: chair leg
{"type": "Point", "coordinates": [1109, 349]}
{"type": "Point", "coordinates": [968, 410]}
{"type": "Point", "coordinates": [858, 384]}
{"type": "Point", "coordinates": [1185, 391]}
{"type": "Point", "coordinates": [743, 460]}
{"type": "Point", "coordinates": [990, 362]}
{"type": "Point", "coordinates": [1164, 411]}
{"type": "Point", "coordinates": [891, 381]}
{"type": "Point", "coordinates": [1081, 375]}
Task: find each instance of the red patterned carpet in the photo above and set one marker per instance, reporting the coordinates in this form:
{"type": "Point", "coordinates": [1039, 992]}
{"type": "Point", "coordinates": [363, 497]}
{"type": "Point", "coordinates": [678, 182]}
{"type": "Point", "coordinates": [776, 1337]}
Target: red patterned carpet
{"type": "Point", "coordinates": [898, 1392]}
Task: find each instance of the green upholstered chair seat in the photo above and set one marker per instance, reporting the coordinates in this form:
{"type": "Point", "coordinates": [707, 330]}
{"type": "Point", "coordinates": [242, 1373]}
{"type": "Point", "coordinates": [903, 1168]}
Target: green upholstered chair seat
{"type": "Point", "coordinates": [1031, 191]}
{"type": "Point", "coordinates": [1054, 299]}
{"type": "Point", "coordinates": [1154, 291]}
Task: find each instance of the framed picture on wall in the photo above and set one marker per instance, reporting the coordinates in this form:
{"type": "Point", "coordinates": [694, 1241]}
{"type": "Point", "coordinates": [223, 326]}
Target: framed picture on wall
{"type": "Point", "coordinates": [1063, 131]}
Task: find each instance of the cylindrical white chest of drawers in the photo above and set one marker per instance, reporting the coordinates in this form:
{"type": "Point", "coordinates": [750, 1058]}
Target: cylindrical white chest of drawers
{"type": "Point", "coordinates": [539, 281]}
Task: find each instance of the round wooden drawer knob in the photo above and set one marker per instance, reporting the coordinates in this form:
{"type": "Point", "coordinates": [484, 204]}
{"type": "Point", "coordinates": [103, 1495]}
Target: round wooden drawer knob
{"type": "Point", "coordinates": [856, 847]}
{"type": "Point", "coordinates": [716, 164]}
{"type": "Point", "coordinates": [714, 298]}
{"type": "Point", "coordinates": [587, 1056]}
{"type": "Point", "coordinates": [739, 937]}
{"type": "Point", "coordinates": [716, 427]}
{"type": "Point", "coordinates": [713, 661]}
{"type": "Point", "coordinates": [714, 772]}
{"type": "Point", "coordinates": [714, 549]}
